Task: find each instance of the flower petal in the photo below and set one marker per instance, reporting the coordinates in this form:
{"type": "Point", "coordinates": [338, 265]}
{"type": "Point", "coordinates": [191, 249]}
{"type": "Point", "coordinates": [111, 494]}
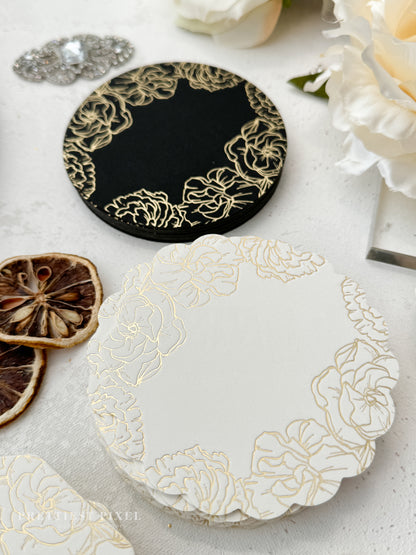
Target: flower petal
{"type": "Point", "coordinates": [399, 173]}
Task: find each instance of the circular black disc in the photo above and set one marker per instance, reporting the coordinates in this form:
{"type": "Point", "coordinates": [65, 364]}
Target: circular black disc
{"type": "Point", "coordinates": [173, 151]}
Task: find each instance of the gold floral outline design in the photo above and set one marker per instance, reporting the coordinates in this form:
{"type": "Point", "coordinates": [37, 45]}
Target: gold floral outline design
{"type": "Point", "coordinates": [263, 106]}
{"type": "Point", "coordinates": [147, 208]}
{"type": "Point", "coordinates": [41, 511]}
{"type": "Point", "coordinates": [80, 168]}
{"type": "Point", "coordinates": [208, 78]}
{"type": "Point", "coordinates": [367, 320]}
{"type": "Point", "coordinates": [103, 114]}
{"type": "Point", "coordinates": [118, 419]}
{"type": "Point", "coordinates": [141, 87]}
{"type": "Point", "coordinates": [341, 444]}
{"type": "Point", "coordinates": [259, 150]}
{"type": "Point", "coordinates": [279, 260]}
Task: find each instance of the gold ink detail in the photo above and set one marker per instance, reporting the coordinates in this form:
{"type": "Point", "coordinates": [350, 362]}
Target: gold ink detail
{"type": "Point", "coordinates": [80, 168]}
{"type": "Point", "coordinates": [263, 106]}
{"type": "Point", "coordinates": [207, 473]}
{"type": "Point", "coordinates": [144, 85]}
{"type": "Point", "coordinates": [366, 320]}
{"type": "Point", "coordinates": [101, 116]}
{"type": "Point", "coordinates": [255, 156]}
{"type": "Point", "coordinates": [355, 393]}
{"type": "Point", "coordinates": [214, 197]}
{"type": "Point", "coordinates": [42, 512]}
{"type": "Point", "coordinates": [259, 150]}
{"type": "Point", "coordinates": [278, 260]}
{"type": "Point", "coordinates": [299, 466]}
{"type": "Point", "coordinates": [146, 208]}
{"type": "Point", "coordinates": [206, 77]}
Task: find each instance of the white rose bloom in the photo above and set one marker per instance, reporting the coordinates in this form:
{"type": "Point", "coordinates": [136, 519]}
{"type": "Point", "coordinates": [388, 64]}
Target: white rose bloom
{"type": "Point", "coordinates": [236, 23]}
{"type": "Point", "coordinates": [372, 88]}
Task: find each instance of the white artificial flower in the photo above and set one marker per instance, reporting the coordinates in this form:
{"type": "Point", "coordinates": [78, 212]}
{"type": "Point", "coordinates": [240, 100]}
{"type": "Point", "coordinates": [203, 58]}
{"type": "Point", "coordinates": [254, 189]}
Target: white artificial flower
{"type": "Point", "coordinates": [236, 23]}
{"type": "Point", "coordinates": [372, 88]}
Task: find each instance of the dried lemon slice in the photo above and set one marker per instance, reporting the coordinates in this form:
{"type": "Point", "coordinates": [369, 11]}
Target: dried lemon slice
{"type": "Point", "coordinates": [48, 300]}
{"type": "Point", "coordinates": [21, 372]}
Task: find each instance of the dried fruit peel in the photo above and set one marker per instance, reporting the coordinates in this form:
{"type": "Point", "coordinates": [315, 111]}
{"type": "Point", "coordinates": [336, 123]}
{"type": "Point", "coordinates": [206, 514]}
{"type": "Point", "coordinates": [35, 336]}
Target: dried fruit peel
{"type": "Point", "coordinates": [48, 300]}
{"type": "Point", "coordinates": [21, 373]}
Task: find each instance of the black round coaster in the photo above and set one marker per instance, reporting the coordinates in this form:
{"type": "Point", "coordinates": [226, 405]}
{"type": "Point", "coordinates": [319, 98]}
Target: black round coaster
{"type": "Point", "coordinates": [172, 151]}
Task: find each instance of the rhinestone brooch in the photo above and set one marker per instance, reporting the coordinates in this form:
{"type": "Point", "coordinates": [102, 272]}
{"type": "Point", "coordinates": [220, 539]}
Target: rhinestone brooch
{"type": "Point", "coordinates": [62, 61]}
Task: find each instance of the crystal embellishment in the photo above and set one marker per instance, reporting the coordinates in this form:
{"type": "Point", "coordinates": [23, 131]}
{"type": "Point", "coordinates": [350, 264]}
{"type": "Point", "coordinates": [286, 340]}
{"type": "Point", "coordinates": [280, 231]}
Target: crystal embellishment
{"type": "Point", "coordinates": [62, 61]}
{"type": "Point", "coordinates": [72, 52]}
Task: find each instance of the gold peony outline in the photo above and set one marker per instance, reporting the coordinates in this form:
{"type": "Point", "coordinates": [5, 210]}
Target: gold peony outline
{"type": "Point", "coordinates": [147, 208]}
{"type": "Point", "coordinates": [122, 426]}
{"type": "Point", "coordinates": [303, 441]}
{"type": "Point", "coordinates": [263, 106]}
{"type": "Point", "coordinates": [208, 78]}
{"type": "Point", "coordinates": [367, 320]}
{"type": "Point", "coordinates": [159, 82]}
{"type": "Point", "coordinates": [279, 260]}
{"type": "Point", "coordinates": [90, 131]}
{"type": "Point", "coordinates": [80, 168]}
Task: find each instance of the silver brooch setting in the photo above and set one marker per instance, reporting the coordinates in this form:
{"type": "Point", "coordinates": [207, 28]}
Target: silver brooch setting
{"type": "Point", "coordinates": [63, 61]}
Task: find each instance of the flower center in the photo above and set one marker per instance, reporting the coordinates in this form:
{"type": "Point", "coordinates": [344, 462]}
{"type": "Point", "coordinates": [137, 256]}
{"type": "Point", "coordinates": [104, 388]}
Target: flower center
{"type": "Point", "coordinates": [267, 151]}
{"type": "Point", "coordinates": [133, 328]}
{"type": "Point", "coordinates": [40, 298]}
{"type": "Point", "coordinates": [371, 397]}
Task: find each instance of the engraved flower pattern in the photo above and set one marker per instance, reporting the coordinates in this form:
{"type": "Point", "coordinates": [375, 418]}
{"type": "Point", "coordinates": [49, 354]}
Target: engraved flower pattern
{"type": "Point", "coordinates": [102, 115]}
{"type": "Point", "coordinates": [80, 168]}
{"type": "Point", "coordinates": [255, 155]}
{"type": "Point", "coordinates": [355, 393]}
{"type": "Point", "coordinates": [144, 85]}
{"type": "Point", "coordinates": [367, 320]}
{"type": "Point", "coordinates": [263, 106]}
{"type": "Point", "coordinates": [304, 460]}
{"type": "Point", "coordinates": [117, 417]}
{"type": "Point", "coordinates": [191, 274]}
{"type": "Point", "coordinates": [197, 474]}
{"type": "Point", "coordinates": [259, 149]}
{"type": "Point", "coordinates": [36, 498]}
{"type": "Point", "coordinates": [217, 195]}
{"type": "Point", "coordinates": [206, 77]}
{"type": "Point", "coordinates": [148, 330]}
{"type": "Point", "coordinates": [147, 208]}
{"type": "Point", "coordinates": [276, 259]}
{"type": "Point", "coordinates": [300, 466]}
{"type": "Point", "coordinates": [41, 512]}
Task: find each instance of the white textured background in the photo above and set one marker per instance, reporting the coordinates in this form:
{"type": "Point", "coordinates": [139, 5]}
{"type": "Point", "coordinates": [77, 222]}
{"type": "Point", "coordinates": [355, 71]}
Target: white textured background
{"type": "Point", "coordinates": [315, 207]}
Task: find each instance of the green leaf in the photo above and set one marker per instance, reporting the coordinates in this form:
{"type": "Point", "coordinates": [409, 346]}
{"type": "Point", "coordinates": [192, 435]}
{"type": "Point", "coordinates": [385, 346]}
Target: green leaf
{"type": "Point", "coordinates": [287, 3]}
{"type": "Point", "coordinates": [300, 82]}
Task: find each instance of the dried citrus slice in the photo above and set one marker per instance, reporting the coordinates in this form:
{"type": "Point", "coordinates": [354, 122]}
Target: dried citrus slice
{"type": "Point", "coordinates": [48, 300]}
{"type": "Point", "coordinates": [21, 372]}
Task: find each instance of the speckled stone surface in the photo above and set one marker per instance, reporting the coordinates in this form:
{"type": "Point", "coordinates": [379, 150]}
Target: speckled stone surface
{"type": "Point", "coordinates": [316, 207]}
